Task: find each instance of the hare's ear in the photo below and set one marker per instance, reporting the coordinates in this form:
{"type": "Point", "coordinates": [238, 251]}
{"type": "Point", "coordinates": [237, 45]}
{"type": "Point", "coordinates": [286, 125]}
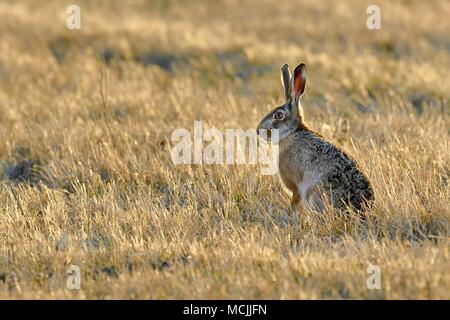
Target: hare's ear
{"type": "Point", "coordinates": [298, 84]}
{"type": "Point", "coordinates": [286, 81]}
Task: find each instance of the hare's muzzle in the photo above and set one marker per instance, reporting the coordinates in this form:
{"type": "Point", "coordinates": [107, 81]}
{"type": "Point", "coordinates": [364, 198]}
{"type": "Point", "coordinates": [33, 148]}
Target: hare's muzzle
{"type": "Point", "coordinates": [260, 129]}
{"type": "Point", "coordinates": [264, 133]}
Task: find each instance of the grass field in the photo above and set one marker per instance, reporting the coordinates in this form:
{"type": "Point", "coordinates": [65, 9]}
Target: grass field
{"type": "Point", "coordinates": [86, 176]}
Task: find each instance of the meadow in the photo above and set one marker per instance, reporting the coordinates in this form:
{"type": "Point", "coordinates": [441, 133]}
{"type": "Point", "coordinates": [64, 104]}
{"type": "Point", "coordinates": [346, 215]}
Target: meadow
{"type": "Point", "coordinates": [86, 176]}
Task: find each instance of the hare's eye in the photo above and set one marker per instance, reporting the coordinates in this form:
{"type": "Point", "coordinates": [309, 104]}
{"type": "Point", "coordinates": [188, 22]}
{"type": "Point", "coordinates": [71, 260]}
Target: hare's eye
{"type": "Point", "coordinates": [278, 115]}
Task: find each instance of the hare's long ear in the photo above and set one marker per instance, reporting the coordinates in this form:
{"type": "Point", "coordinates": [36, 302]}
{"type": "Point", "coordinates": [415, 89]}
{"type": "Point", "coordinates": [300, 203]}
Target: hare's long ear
{"type": "Point", "coordinates": [298, 84]}
{"type": "Point", "coordinates": [286, 81]}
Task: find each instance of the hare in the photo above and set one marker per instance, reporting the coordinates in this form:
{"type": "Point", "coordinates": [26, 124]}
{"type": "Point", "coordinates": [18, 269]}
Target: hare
{"type": "Point", "coordinates": [316, 171]}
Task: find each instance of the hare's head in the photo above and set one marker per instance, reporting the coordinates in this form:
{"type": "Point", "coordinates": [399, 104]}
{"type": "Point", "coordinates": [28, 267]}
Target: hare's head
{"type": "Point", "coordinates": [288, 117]}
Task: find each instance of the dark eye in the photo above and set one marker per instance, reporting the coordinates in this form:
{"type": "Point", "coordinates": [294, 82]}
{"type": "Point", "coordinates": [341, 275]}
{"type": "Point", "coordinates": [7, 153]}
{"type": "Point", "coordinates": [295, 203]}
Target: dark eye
{"type": "Point", "coordinates": [278, 115]}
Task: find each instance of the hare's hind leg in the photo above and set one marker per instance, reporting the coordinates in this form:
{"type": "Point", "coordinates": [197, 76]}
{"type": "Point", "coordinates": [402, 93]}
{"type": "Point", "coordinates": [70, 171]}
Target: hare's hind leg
{"type": "Point", "coordinates": [315, 202]}
{"type": "Point", "coordinates": [310, 196]}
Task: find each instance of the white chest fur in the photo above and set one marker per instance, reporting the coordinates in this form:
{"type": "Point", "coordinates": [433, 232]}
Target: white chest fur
{"type": "Point", "coordinates": [309, 192]}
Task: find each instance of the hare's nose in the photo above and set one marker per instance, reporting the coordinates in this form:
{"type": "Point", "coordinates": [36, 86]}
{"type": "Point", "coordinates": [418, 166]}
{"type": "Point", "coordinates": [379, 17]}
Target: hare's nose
{"type": "Point", "coordinates": [259, 131]}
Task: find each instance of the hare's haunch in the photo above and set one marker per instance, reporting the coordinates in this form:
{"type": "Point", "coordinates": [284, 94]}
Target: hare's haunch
{"type": "Point", "coordinates": [316, 171]}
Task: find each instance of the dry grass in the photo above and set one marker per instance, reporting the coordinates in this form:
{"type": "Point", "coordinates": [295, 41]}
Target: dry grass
{"type": "Point", "coordinates": [88, 180]}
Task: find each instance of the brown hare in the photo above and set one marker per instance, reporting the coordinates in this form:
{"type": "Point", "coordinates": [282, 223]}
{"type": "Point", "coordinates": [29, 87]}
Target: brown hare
{"type": "Point", "coordinates": [316, 171]}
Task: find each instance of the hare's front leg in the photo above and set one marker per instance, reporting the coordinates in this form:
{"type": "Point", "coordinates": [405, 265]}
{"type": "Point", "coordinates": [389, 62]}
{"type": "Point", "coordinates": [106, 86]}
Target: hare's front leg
{"type": "Point", "coordinates": [295, 203]}
{"type": "Point", "coordinates": [291, 215]}
{"type": "Point", "coordinates": [295, 200]}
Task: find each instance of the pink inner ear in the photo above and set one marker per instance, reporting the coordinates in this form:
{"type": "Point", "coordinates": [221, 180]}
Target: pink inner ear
{"type": "Point", "coordinates": [298, 83]}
